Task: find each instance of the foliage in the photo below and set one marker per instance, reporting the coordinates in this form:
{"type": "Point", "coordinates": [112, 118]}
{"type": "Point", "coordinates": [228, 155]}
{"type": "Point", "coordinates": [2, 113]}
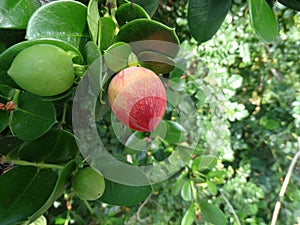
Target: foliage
{"type": "Point", "coordinates": [246, 122]}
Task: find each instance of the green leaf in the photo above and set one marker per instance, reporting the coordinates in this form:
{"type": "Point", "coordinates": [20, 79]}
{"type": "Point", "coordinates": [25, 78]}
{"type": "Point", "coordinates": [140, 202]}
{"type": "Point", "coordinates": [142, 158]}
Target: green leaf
{"type": "Point", "coordinates": [136, 141]}
{"type": "Point", "coordinates": [155, 61]}
{"type": "Point", "coordinates": [33, 117]}
{"type": "Point", "coordinates": [293, 4]}
{"type": "Point", "coordinates": [15, 14]}
{"type": "Point", "coordinates": [92, 52]}
{"type": "Point", "coordinates": [123, 195]}
{"type": "Point", "coordinates": [9, 37]}
{"type": "Point", "coordinates": [57, 146]}
{"type": "Point", "coordinates": [26, 190]}
{"type": "Point", "coordinates": [145, 29]}
{"type": "Point", "coordinates": [212, 187]}
{"type": "Point", "coordinates": [63, 20]}
{"type": "Point", "coordinates": [93, 19]}
{"type": "Point", "coordinates": [128, 12]}
{"type": "Point", "coordinates": [263, 20]}
{"type": "Point", "coordinates": [189, 216]}
{"type": "Point", "coordinates": [206, 16]}
{"type": "Point", "coordinates": [212, 213]}
{"type": "Point", "coordinates": [107, 32]}
{"type": "Point", "coordinates": [186, 191]}
{"type": "Point", "coordinates": [235, 81]}
{"type": "Point", "coordinates": [205, 162]}
{"type": "Point", "coordinates": [57, 191]}
{"type": "Point", "coordinates": [116, 56]}
{"type": "Point", "coordinates": [4, 120]}
{"type": "Point", "coordinates": [149, 6]}
{"type": "Point", "coordinates": [178, 184]}
{"type": "Point", "coordinates": [269, 123]}
{"type": "Point", "coordinates": [8, 144]}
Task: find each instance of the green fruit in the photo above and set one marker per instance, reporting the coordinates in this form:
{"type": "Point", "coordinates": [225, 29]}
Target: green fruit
{"type": "Point", "coordinates": [88, 184]}
{"type": "Point", "coordinates": [43, 70]}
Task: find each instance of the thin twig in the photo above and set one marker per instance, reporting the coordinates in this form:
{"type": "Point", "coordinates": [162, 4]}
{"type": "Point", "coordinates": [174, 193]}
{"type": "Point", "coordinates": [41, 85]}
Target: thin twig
{"type": "Point", "coordinates": [231, 208]}
{"type": "Point", "coordinates": [285, 185]}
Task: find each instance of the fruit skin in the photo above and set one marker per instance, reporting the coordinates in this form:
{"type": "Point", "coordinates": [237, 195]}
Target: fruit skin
{"type": "Point", "coordinates": [43, 70]}
{"type": "Point", "coordinates": [88, 184]}
{"type": "Point", "coordinates": [137, 98]}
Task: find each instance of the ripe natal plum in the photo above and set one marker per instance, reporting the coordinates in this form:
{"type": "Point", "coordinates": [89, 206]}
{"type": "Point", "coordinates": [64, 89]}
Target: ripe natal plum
{"type": "Point", "coordinates": [137, 98]}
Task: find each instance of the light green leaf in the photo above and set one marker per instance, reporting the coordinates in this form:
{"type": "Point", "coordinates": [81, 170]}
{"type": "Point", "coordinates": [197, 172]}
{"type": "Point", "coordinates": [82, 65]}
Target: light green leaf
{"type": "Point", "coordinates": [263, 20]}
{"type": "Point", "coordinates": [212, 213]}
{"type": "Point", "coordinates": [189, 216]}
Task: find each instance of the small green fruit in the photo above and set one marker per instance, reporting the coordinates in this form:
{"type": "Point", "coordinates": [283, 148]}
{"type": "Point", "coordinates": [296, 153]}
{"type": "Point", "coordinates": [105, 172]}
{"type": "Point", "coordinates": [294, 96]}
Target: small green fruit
{"type": "Point", "coordinates": [88, 184]}
{"type": "Point", "coordinates": [43, 70]}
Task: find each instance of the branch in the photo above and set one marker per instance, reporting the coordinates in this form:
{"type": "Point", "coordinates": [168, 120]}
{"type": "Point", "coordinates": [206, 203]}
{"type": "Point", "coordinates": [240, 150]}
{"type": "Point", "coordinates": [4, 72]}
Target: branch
{"type": "Point", "coordinates": [285, 185]}
{"type": "Point", "coordinates": [231, 208]}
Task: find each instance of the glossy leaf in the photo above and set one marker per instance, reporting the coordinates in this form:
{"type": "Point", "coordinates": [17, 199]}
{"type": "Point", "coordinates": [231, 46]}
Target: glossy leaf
{"type": "Point", "coordinates": [107, 32]}
{"type": "Point", "coordinates": [206, 16]}
{"type": "Point", "coordinates": [116, 56]}
{"type": "Point", "coordinates": [63, 20]}
{"type": "Point", "coordinates": [57, 146]}
{"type": "Point", "coordinates": [205, 162]}
{"type": "Point", "coordinates": [128, 12]}
{"type": "Point", "coordinates": [212, 213]}
{"type": "Point", "coordinates": [293, 4]}
{"type": "Point", "coordinates": [33, 117]}
{"type": "Point", "coordinates": [26, 190]}
{"type": "Point", "coordinates": [145, 29]}
{"type": "Point", "coordinates": [93, 19]}
{"type": "Point", "coordinates": [263, 20]}
{"type": "Point", "coordinates": [189, 216]}
{"type": "Point", "coordinates": [149, 6]}
{"type": "Point", "coordinates": [178, 184]}
{"type": "Point", "coordinates": [57, 191]}
{"type": "Point", "coordinates": [15, 14]}
{"type": "Point", "coordinates": [157, 62]}
{"type": "Point", "coordinates": [123, 195]}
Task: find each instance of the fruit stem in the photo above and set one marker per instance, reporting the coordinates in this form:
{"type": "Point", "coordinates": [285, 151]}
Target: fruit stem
{"type": "Point", "coordinates": [79, 70]}
{"type": "Point", "coordinates": [64, 115]}
{"type": "Point", "coordinates": [40, 165]}
{"type": "Point", "coordinates": [88, 207]}
{"type": "Point", "coordinates": [15, 99]}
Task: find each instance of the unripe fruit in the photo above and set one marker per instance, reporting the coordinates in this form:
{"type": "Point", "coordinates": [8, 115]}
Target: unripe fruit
{"type": "Point", "coordinates": [88, 184]}
{"type": "Point", "coordinates": [43, 70]}
{"type": "Point", "coordinates": [137, 98]}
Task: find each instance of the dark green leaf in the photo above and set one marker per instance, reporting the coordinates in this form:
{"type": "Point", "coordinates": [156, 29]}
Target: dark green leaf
{"type": "Point", "coordinates": [189, 216]}
{"type": "Point", "coordinates": [120, 194]}
{"type": "Point", "coordinates": [4, 120]}
{"type": "Point", "coordinates": [63, 20]}
{"type": "Point", "coordinates": [57, 146]}
{"type": "Point", "coordinates": [157, 62]}
{"type": "Point", "coordinates": [9, 37]}
{"type": "Point", "coordinates": [263, 20]}
{"type": "Point", "coordinates": [145, 29]}
{"type": "Point", "coordinates": [93, 19]}
{"type": "Point", "coordinates": [8, 144]}
{"type": "Point", "coordinates": [58, 190]}
{"type": "Point", "coordinates": [212, 213]}
{"type": "Point", "coordinates": [107, 32]}
{"type": "Point", "coordinates": [130, 11]}
{"type": "Point", "coordinates": [15, 14]}
{"type": "Point", "coordinates": [33, 117]}
{"type": "Point", "coordinates": [293, 4]}
{"type": "Point", "coordinates": [149, 6]}
{"type": "Point", "coordinates": [23, 191]}
{"type": "Point", "coordinates": [206, 16]}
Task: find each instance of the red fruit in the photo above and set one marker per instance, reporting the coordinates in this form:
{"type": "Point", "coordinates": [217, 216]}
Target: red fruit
{"type": "Point", "coordinates": [137, 98]}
